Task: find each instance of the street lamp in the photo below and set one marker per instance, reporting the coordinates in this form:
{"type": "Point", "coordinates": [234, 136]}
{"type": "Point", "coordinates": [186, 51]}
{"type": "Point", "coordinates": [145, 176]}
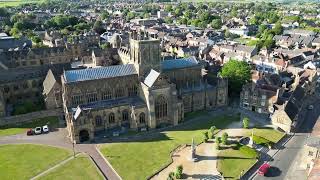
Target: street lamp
{"type": "Point", "coordinates": [73, 144]}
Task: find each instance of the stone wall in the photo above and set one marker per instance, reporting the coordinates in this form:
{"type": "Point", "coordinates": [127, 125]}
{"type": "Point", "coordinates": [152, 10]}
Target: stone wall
{"type": "Point", "coordinates": [29, 117]}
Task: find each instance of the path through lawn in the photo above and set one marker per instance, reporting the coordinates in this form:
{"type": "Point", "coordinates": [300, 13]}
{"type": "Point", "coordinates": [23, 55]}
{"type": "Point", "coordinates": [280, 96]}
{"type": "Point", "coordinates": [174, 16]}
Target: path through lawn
{"type": "Point", "coordinates": [140, 159]}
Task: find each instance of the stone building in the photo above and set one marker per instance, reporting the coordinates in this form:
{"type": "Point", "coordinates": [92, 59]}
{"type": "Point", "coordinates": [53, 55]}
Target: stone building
{"type": "Point", "coordinates": [52, 91]}
{"type": "Point", "coordinates": [288, 110]}
{"type": "Point", "coordinates": [260, 95]}
{"type": "Point", "coordinates": [142, 93]}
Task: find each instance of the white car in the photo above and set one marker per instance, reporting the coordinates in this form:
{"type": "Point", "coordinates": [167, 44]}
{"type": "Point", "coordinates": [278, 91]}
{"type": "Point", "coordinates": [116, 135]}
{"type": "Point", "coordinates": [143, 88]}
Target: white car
{"type": "Point", "coordinates": [37, 130]}
{"type": "Point", "coordinates": [45, 129]}
{"type": "Point", "coordinates": [310, 107]}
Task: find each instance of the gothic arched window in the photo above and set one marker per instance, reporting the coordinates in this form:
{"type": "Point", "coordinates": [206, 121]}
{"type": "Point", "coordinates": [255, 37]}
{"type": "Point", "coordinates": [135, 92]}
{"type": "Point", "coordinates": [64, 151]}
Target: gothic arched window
{"type": "Point", "coordinates": [125, 115]}
{"type": "Point", "coordinates": [98, 121]}
{"type": "Point", "coordinates": [142, 118]}
{"type": "Point", "coordinates": [111, 118]}
{"type": "Point", "coordinates": [161, 107]}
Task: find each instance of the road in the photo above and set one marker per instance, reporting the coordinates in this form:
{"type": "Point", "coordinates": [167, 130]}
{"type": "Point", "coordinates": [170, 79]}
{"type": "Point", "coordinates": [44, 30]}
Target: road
{"type": "Point", "coordinates": [284, 159]}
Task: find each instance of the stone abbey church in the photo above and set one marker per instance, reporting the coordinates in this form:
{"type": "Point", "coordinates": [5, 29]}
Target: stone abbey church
{"type": "Point", "coordinates": [143, 92]}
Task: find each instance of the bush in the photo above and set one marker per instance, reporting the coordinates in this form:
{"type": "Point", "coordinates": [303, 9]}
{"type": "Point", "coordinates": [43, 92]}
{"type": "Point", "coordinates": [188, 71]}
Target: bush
{"type": "Point", "coordinates": [171, 176]}
{"type": "Point", "coordinates": [245, 123]}
{"type": "Point", "coordinates": [212, 129]}
{"type": "Point", "coordinates": [205, 136]}
{"type": "Point", "coordinates": [217, 141]}
{"type": "Point", "coordinates": [224, 138]}
{"type": "Point", "coordinates": [179, 171]}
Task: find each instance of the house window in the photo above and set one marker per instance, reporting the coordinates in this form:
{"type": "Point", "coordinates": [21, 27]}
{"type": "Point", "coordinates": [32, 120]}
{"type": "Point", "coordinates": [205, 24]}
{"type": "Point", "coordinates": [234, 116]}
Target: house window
{"type": "Point", "coordinates": [98, 121]}
{"type": "Point", "coordinates": [125, 115]}
{"type": "Point", "coordinates": [106, 95]}
{"type": "Point", "coordinates": [92, 97]}
{"type": "Point", "coordinates": [142, 118]}
{"type": "Point", "coordinates": [111, 118]}
{"type": "Point", "coordinates": [161, 107]}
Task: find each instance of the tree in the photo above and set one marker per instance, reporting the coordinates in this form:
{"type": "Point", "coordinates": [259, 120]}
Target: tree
{"type": "Point", "coordinates": [171, 176]}
{"type": "Point", "coordinates": [205, 136]}
{"type": "Point", "coordinates": [217, 141]}
{"type": "Point", "coordinates": [179, 171]}
{"type": "Point", "coordinates": [245, 123]}
{"type": "Point", "coordinates": [238, 73]}
{"type": "Point", "coordinates": [216, 23]}
{"type": "Point", "coordinates": [278, 29]}
{"type": "Point", "coordinates": [224, 138]}
{"type": "Point", "coordinates": [212, 129]}
{"type": "Point", "coordinates": [97, 27]}
{"type": "Point", "coordinates": [105, 15]}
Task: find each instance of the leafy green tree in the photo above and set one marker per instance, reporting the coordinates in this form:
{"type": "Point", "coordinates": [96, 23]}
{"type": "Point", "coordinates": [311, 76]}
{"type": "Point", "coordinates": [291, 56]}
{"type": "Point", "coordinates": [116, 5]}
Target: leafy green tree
{"type": "Point", "coordinates": [238, 73]}
{"type": "Point", "coordinates": [216, 24]}
{"type": "Point", "coordinates": [130, 15]}
{"type": "Point", "coordinates": [224, 138]}
{"type": "Point", "coordinates": [278, 29]}
{"type": "Point", "coordinates": [245, 123]}
{"type": "Point", "coordinates": [97, 27]}
{"type": "Point", "coordinates": [217, 141]}
{"type": "Point", "coordinates": [179, 171]}
{"type": "Point", "coordinates": [205, 136]}
{"type": "Point", "coordinates": [168, 20]}
{"type": "Point", "coordinates": [212, 130]}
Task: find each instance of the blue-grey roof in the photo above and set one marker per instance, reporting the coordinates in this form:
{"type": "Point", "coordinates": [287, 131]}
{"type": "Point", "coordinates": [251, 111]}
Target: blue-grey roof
{"type": "Point", "coordinates": [179, 63]}
{"type": "Point", "coordinates": [99, 73]}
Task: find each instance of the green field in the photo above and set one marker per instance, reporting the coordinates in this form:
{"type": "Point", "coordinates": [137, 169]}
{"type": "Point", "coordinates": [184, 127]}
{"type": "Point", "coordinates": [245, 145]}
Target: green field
{"type": "Point", "coordinates": [76, 169]}
{"type": "Point", "coordinates": [267, 133]}
{"type": "Point", "coordinates": [4, 3]}
{"type": "Point", "coordinates": [234, 160]}
{"type": "Point", "coordinates": [21, 128]}
{"type": "Point", "coordinates": [24, 161]}
{"type": "Point", "coordinates": [140, 159]}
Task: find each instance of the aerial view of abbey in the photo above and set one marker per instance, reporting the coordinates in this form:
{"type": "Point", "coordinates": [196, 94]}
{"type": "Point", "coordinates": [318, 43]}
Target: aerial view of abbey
{"type": "Point", "coordinates": [159, 90]}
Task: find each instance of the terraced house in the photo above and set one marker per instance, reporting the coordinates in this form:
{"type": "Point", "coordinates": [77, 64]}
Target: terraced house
{"type": "Point", "coordinates": [142, 92]}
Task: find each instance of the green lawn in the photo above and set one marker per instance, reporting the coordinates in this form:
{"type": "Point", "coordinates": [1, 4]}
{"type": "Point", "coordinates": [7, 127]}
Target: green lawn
{"type": "Point", "coordinates": [234, 160]}
{"type": "Point", "coordinates": [24, 161]}
{"type": "Point", "coordinates": [79, 168]}
{"type": "Point", "coordinates": [138, 160]}
{"type": "Point", "coordinates": [22, 127]}
{"type": "Point", "coordinates": [12, 3]}
{"type": "Point", "coordinates": [269, 134]}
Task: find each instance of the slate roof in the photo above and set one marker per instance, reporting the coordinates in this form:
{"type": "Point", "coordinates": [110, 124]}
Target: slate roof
{"type": "Point", "coordinates": [295, 102]}
{"type": "Point", "coordinates": [151, 78]}
{"type": "Point", "coordinates": [99, 73]}
{"type": "Point", "coordinates": [179, 63]}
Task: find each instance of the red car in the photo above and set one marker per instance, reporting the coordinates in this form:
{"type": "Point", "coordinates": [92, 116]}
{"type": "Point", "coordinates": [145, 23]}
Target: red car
{"type": "Point", "coordinates": [263, 169]}
{"type": "Point", "coordinates": [29, 132]}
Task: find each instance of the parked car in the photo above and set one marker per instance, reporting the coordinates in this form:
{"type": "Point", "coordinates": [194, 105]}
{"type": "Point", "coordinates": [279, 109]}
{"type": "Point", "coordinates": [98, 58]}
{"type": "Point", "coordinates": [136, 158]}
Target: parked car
{"type": "Point", "coordinates": [310, 107]}
{"type": "Point", "coordinates": [263, 169]}
{"type": "Point", "coordinates": [45, 129]}
{"type": "Point", "coordinates": [37, 130]}
{"type": "Point", "coordinates": [29, 132]}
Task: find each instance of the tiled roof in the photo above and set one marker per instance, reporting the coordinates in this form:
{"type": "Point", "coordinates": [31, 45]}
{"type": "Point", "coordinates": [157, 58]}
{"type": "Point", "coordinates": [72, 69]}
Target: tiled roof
{"type": "Point", "coordinates": [179, 63]}
{"type": "Point", "coordinates": [99, 73]}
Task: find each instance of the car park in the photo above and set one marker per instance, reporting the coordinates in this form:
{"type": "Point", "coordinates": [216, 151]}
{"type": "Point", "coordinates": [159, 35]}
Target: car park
{"type": "Point", "coordinates": [37, 130]}
{"type": "Point", "coordinates": [263, 169]}
{"type": "Point", "coordinates": [45, 129]}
